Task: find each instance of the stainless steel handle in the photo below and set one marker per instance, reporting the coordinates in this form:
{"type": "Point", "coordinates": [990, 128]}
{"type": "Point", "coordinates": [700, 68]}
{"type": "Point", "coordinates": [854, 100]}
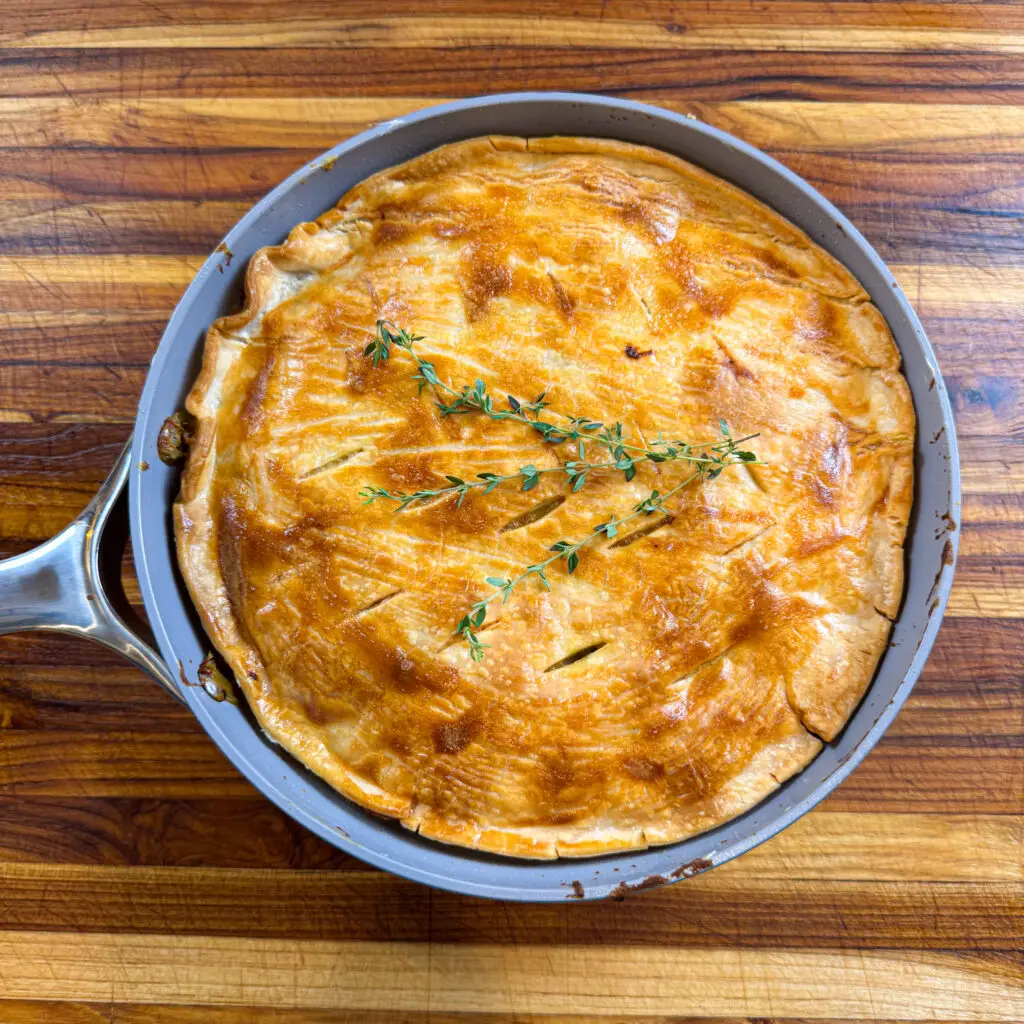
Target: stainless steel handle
{"type": "Point", "coordinates": [72, 583]}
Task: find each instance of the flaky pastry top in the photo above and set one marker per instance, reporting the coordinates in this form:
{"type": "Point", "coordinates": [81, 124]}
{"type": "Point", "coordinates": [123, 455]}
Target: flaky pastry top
{"type": "Point", "coordinates": [720, 644]}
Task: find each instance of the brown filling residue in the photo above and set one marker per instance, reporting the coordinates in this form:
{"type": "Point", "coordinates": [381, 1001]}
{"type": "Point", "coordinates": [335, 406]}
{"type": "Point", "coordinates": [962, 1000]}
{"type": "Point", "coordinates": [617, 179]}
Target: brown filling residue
{"type": "Point", "coordinates": [692, 867]}
{"type": "Point", "coordinates": [214, 679]}
{"type": "Point", "coordinates": [947, 553]}
{"type": "Point", "coordinates": [175, 438]}
{"type": "Point", "coordinates": [623, 889]}
{"type": "Point", "coordinates": [634, 353]}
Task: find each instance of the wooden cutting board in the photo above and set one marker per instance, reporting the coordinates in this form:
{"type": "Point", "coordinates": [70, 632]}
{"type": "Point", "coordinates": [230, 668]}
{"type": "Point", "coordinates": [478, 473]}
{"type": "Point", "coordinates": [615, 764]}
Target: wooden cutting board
{"type": "Point", "coordinates": [141, 879]}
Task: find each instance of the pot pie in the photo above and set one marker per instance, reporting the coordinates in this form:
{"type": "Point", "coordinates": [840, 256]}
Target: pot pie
{"type": "Point", "coordinates": [688, 667]}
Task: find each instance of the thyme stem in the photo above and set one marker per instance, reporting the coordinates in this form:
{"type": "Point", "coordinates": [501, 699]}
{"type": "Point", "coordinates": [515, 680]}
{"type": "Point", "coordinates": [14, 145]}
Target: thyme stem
{"type": "Point", "coordinates": [529, 475]}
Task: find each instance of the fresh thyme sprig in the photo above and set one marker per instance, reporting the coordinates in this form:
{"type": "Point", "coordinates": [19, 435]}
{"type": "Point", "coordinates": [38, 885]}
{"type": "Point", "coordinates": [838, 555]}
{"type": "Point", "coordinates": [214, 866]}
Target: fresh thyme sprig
{"type": "Point", "coordinates": [468, 628]}
{"type": "Point", "coordinates": [581, 430]}
{"type": "Point", "coordinates": [714, 457]}
{"type": "Point", "coordinates": [575, 471]}
{"type": "Point", "coordinates": [529, 474]}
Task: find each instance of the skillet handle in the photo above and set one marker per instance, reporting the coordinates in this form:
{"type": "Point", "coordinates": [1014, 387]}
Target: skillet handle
{"type": "Point", "coordinates": [72, 582]}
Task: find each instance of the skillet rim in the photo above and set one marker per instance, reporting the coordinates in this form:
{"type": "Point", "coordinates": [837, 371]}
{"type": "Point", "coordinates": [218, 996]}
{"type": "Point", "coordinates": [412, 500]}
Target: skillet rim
{"type": "Point", "coordinates": [454, 868]}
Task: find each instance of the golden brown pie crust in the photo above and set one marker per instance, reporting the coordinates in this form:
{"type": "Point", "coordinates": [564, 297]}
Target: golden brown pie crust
{"type": "Point", "coordinates": [630, 286]}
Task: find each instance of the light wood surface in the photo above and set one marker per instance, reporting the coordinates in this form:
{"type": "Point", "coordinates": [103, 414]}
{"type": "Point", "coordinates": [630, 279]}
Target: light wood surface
{"type": "Point", "coordinates": [142, 880]}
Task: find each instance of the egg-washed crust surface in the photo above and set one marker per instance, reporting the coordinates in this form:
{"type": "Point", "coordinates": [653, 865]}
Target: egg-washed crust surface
{"type": "Point", "coordinates": [735, 635]}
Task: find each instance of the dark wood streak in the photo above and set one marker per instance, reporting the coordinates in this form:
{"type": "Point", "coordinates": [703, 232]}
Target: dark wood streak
{"type": "Point", "coordinates": [921, 76]}
{"type": "Point", "coordinates": [365, 906]}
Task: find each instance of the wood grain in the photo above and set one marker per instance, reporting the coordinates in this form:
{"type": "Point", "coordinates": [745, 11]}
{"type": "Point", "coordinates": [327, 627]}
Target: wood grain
{"type": "Point", "coordinates": [395, 976]}
{"type": "Point", "coordinates": [463, 30]}
{"type": "Point", "coordinates": [142, 880]}
{"type": "Point", "coordinates": [282, 122]}
{"type": "Point", "coordinates": [922, 76]}
{"type": "Point", "coordinates": [731, 909]}
{"type": "Point", "coordinates": [24, 1012]}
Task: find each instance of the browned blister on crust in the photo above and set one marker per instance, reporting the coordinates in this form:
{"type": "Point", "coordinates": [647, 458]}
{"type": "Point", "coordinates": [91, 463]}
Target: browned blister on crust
{"type": "Point", "coordinates": [722, 644]}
